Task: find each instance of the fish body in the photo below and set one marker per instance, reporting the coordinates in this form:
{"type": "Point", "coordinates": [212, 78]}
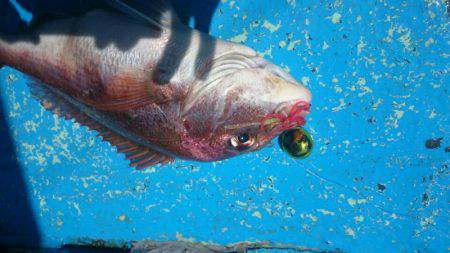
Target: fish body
{"type": "Point", "coordinates": [144, 93]}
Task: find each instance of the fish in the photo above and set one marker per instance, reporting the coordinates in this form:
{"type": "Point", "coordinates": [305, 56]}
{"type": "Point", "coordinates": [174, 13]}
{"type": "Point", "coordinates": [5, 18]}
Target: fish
{"type": "Point", "coordinates": [104, 70]}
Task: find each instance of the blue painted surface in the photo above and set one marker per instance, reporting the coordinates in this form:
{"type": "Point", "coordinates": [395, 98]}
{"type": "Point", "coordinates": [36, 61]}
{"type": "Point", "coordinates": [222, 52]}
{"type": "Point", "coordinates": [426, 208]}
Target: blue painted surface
{"type": "Point", "coordinates": [378, 72]}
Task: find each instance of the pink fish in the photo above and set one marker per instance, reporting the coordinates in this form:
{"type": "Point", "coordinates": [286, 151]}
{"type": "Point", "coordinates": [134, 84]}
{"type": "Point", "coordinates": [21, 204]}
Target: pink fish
{"type": "Point", "coordinates": [226, 103]}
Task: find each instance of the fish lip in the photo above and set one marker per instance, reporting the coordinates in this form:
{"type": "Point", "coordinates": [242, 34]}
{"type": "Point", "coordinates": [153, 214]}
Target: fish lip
{"type": "Point", "coordinates": [286, 107]}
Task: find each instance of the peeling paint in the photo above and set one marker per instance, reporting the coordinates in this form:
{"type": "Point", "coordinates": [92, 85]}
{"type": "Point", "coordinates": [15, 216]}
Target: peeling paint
{"type": "Point", "coordinates": [376, 180]}
{"type": "Point", "coordinates": [271, 27]}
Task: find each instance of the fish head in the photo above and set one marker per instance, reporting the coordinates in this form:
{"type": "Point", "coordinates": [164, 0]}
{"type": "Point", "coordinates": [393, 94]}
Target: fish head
{"type": "Point", "coordinates": [240, 107]}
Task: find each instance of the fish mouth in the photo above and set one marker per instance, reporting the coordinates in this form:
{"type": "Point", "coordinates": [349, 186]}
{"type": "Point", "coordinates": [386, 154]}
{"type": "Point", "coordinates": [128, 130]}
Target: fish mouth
{"type": "Point", "coordinates": [300, 107]}
{"type": "Point", "coordinates": [287, 116]}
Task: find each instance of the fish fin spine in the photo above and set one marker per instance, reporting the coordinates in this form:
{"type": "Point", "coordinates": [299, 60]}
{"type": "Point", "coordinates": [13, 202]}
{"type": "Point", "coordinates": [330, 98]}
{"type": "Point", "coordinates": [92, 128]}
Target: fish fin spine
{"type": "Point", "coordinates": [139, 156]}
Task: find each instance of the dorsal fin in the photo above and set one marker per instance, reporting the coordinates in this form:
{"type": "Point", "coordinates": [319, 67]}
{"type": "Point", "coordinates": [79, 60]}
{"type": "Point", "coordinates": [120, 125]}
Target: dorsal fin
{"type": "Point", "coordinates": [157, 13]}
{"type": "Point", "coordinates": [139, 156]}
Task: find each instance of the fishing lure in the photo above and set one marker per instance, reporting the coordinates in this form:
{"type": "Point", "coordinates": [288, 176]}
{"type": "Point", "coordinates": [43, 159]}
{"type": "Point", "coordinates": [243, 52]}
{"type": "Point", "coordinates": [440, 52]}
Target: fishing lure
{"type": "Point", "coordinates": [296, 142]}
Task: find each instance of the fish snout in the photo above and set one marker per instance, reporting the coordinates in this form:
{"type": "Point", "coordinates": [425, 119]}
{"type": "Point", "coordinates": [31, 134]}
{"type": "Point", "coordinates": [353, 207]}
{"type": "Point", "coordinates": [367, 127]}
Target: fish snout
{"type": "Point", "coordinates": [294, 108]}
{"type": "Point", "coordinates": [283, 91]}
{"type": "Point", "coordinates": [291, 101]}
{"type": "Point", "coordinates": [293, 97]}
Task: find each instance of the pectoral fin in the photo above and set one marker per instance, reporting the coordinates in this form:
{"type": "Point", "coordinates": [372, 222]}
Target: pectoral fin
{"type": "Point", "coordinates": [129, 90]}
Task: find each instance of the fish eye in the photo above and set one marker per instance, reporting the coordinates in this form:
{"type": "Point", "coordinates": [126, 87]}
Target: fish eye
{"type": "Point", "coordinates": [243, 138]}
{"type": "Point", "coordinates": [242, 141]}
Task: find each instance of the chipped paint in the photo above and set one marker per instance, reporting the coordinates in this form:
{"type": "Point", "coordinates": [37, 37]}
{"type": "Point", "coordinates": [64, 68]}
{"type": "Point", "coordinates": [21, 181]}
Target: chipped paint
{"type": "Point", "coordinates": [361, 45]}
{"type": "Point", "coordinates": [326, 212]}
{"type": "Point", "coordinates": [271, 27]}
{"type": "Point", "coordinates": [240, 37]}
{"type": "Point", "coordinates": [335, 18]}
{"type": "Point", "coordinates": [406, 40]}
{"type": "Point", "coordinates": [350, 232]}
{"type": "Point", "coordinates": [267, 52]}
{"type": "Point", "coordinates": [257, 214]}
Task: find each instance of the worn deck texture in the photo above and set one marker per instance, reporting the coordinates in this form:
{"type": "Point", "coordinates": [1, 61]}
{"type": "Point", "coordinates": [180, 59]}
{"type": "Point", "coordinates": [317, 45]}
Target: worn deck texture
{"type": "Point", "coordinates": [377, 180]}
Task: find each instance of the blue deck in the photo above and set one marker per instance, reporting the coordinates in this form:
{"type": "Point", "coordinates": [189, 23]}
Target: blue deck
{"type": "Point", "coordinates": [377, 180]}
